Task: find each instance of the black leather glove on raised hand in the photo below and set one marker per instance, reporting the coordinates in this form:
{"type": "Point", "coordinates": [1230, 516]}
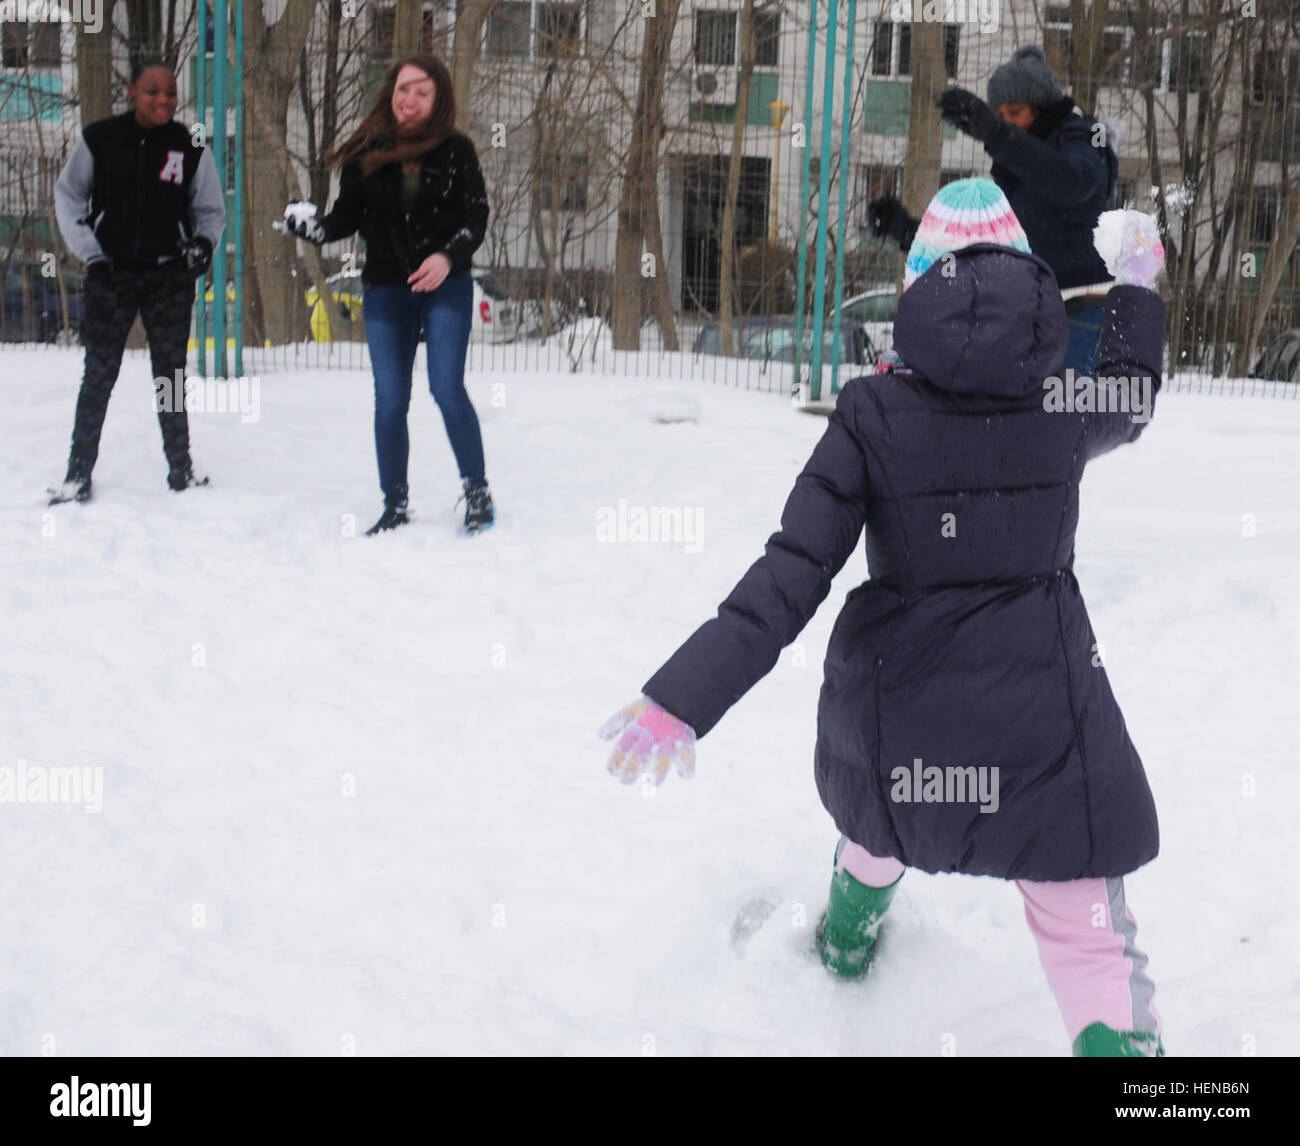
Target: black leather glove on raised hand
{"type": "Point", "coordinates": [970, 114]}
{"type": "Point", "coordinates": [887, 218]}
{"type": "Point", "coordinates": [197, 253]}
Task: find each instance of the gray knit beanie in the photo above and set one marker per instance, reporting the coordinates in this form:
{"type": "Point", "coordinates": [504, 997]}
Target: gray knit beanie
{"type": "Point", "coordinates": [1025, 78]}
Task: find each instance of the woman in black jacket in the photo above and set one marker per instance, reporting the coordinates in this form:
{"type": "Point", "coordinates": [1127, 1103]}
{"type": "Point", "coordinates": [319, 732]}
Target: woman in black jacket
{"type": "Point", "coordinates": [411, 184]}
{"type": "Point", "coordinates": [143, 207]}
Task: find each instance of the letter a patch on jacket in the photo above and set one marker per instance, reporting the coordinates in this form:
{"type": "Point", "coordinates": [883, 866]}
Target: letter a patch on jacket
{"type": "Point", "coordinates": [174, 169]}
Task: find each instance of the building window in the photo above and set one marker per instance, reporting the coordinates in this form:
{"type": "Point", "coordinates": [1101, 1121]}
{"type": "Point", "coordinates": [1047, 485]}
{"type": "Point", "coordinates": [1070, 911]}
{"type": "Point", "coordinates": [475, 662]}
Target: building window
{"type": "Point", "coordinates": [1263, 216]}
{"type": "Point", "coordinates": [1270, 82]}
{"type": "Point", "coordinates": [1187, 61]}
{"type": "Point", "coordinates": [559, 31]}
{"type": "Point", "coordinates": [715, 39]}
{"type": "Point", "coordinates": [383, 22]}
{"type": "Point", "coordinates": [541, 29]}
{"type": "Point", "coordinates": [509, 29]}
{"type": "Point", "coordinates": [1161, 57]}
{"type": "Point", "coordinates": [951, 46]}
{"type": "Point", "coordinates": [891, 49]}
{"type": "Point", "coordinates": [30, 44]}
{"type": "Point", "coordinates": [767, 36]}
{"type": "Point", "coordinates": [563, 183]}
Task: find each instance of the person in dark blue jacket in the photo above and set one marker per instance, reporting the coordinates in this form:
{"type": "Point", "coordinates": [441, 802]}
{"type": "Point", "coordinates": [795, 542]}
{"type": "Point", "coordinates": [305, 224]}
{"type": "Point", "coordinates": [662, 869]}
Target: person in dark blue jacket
{"type": "Point", "coordinates": [1057, 167]}
{"type": "Point", "coordinates": [966, 723]}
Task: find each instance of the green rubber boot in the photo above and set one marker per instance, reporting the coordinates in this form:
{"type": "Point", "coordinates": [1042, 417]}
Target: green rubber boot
{"type": "Point", "coordinates": [848, 931]}
{"type": "Point", "coordinates": [1100, 1041]}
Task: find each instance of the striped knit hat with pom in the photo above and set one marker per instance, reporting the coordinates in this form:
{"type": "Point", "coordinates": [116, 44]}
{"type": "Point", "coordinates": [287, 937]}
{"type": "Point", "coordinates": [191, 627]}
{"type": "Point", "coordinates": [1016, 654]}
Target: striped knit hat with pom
{"type": "Point", "coordinates": [964, 212]}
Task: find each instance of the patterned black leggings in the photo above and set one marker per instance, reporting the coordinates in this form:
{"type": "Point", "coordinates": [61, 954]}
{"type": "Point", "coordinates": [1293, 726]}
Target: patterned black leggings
{"type": "Point", "coordinates": [163, 296]}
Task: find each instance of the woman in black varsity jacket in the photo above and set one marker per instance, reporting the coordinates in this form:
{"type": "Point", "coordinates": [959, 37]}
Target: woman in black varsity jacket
{"type": "Point", "coordinates": [143, 207]}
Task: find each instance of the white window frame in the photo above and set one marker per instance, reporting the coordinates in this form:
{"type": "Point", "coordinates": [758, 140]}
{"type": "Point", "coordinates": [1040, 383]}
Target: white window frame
{"type": "Point", "coordinates": [1164, 50]}
{"type": "Point", "coordinates": [535, 19]}
{"type": "Point", "coordinates": [895, 48]}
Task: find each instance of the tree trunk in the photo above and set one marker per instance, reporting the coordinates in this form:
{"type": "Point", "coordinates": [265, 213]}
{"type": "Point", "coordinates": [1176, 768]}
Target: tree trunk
{"type": "Point", "coordinates": [95, 69]}
{"type": "Point", "coordinates": [465, 51]}
{"type": "Point", "coordinates": [406, 28]}
{"type": "Point", "coordinates": [727, 240]}
{"type": "Point", "coordinates": [638, 204]}
{"type": "Point", "coordinates": [1086, 56]}
{"type": "Point", "coordinates": [1279, 253]}
{"type": "Point", "coordinates": [275, 309]}
{"type": "Point", "coordinates": [923, 165]}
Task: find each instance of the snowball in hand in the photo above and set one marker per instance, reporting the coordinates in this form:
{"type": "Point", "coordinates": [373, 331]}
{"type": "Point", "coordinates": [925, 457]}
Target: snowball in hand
{"type": "Point", "coordinates": [1129, 243]}
{"type": "Point", "coordinates": [297, 213]}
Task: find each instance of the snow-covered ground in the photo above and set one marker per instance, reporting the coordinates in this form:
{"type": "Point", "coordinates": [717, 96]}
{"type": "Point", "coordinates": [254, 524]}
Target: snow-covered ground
{"type": "Point", "coordinates": [352, 797]}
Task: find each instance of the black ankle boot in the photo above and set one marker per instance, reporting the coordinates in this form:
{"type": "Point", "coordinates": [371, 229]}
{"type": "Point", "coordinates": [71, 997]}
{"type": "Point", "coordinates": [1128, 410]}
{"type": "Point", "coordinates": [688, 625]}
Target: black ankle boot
{"type": "Point", "coordinates": [183, 477]}
{"type": "Point", "coordinates": [479, 513]}
{"type": "Point", "coordinates": [394, 515]}
{"type": "Point", "coordinates": [75, 487]}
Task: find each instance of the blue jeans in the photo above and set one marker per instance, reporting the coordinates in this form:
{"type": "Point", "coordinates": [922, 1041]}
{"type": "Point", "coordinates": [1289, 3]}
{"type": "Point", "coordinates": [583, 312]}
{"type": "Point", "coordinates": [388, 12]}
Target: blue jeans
{"type": "Point", "coordinates": [394, 317]}
{"type": "Point", "coordinates": [1081, 353]}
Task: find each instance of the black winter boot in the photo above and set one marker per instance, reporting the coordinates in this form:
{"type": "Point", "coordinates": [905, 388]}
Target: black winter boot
{"type": "Point", "coordinates": [479, 513]}
{"type": "Point", "coordinates": [394, 515]}
{"type": "Point", "coordinates": [183, 477]}
{"type": "Point", "coordinates": [74, 488]}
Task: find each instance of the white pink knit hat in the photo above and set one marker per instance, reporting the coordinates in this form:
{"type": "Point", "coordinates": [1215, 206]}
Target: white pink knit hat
{"type": "Point", "coordinates": [964, 212]}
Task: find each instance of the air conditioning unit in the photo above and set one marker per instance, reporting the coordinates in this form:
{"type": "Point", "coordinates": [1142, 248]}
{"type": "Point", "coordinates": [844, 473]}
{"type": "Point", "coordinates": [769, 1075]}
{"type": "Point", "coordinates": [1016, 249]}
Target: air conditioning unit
{"type": "Point", "coordinates": [714, 85]}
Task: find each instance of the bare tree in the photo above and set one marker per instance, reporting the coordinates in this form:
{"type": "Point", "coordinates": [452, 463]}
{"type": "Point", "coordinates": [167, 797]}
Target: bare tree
{"type": "Point", "coordinates": [406, 28]}
{"type": "Point", "coordinates": [95, 68]}
{"type": "Point", "coordinates": [638, 207]}
{"type": "Point", "coordinates": [1087, 38]}
{"type": "Point", "coordinates": [271, 55]}
{"type": "Point", "coordinates": [727, 273]}
{"type": "Point", "coordinates": [469, 31]}
{"type": "Point", "coordinates": [923, 166]}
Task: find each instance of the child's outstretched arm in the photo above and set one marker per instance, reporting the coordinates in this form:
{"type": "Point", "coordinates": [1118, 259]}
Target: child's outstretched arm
{"type": "Point", "coordinates": [820, 527]}
{"type": "Point", "coordinates": [1131, 349]}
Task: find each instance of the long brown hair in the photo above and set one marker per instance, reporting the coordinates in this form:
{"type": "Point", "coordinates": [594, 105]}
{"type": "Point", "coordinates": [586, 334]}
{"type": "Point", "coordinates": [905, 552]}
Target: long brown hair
{"type": "Point", "coordinates": [379, 141]}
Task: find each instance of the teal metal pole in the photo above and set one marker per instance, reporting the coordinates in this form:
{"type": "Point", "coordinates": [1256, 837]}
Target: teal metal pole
{"type": "Point", "coordinates": [823, 201]}
{"type": "Point", "coordinates": [201, 83]}
{"type": "Point", "coordinates": [237, 226]}
{"type": "Point", "coordinates": [221, 30]}
{"type": "Point", "coordinates": [800, 291]}
{"type": "Point", "coordinates": [841, 224]}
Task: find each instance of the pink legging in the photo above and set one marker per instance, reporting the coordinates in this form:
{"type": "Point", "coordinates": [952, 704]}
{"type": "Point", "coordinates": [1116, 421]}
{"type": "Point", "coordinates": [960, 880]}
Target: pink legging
{"type": "Point", "coordinates": [1085, 935]}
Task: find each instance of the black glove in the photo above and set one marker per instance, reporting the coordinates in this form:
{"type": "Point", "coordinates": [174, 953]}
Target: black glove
{"type": "Point", "coordinates": [970, 114]}
{"type": "Point", "coordinates": [100, 267]}
{"type": "Point", "coordinates": [197, 253]}
{"type": "Point", "coordinates": [887, 218]}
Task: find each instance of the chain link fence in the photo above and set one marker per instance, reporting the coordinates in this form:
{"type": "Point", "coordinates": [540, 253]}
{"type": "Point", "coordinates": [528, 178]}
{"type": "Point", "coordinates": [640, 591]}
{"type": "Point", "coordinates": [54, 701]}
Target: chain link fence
{"type": "Point", "coordinates": [645, 161]}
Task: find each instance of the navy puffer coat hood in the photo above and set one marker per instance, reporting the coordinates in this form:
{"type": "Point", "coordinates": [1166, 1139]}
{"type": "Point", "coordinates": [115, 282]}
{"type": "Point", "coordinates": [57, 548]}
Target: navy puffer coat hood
{"type": "Point", "coordinates": [969, 649]}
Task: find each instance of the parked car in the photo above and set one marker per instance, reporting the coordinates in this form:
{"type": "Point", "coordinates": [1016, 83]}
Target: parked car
{"type": "Point", "coordinates": [772, 339]}
{"type": "Point", "coordinates": [33, 310]}
{"type": "Point", "coordinates": [874, 311]}
{"type": "Point", "coordinates": [495, 318]}
{"type": "Point", "coordinates": [1281, 359]}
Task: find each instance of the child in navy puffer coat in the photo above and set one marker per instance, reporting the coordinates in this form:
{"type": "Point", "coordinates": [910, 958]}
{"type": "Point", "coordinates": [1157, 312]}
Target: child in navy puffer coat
{"type": "Point", "coordinates": [965, 723]}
